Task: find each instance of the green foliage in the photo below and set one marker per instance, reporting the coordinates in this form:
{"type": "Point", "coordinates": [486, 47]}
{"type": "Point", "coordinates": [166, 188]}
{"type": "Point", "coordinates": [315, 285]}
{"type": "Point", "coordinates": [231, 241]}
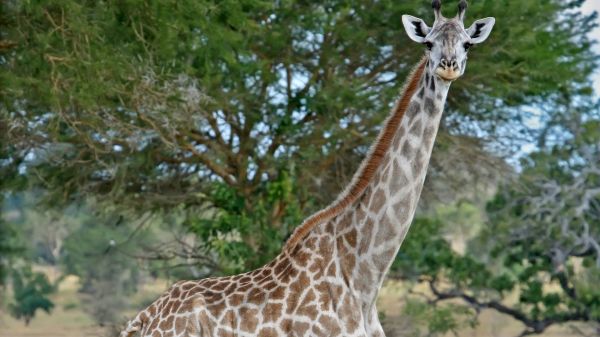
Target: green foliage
{"type": "Point", "coordinates": [264, 225]}
{"type": "Point", "coordinates": [197, 96]}
{"type": "Point", "coordinates": [438, 321]}
{"type": "Point", "coordinates": [9, 247]}
{"type": "Point", "coordinates": [30, 293]}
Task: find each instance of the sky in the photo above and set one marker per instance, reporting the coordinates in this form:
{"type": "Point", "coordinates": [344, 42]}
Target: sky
{"type": "Point", "coordinates": [588, 7]}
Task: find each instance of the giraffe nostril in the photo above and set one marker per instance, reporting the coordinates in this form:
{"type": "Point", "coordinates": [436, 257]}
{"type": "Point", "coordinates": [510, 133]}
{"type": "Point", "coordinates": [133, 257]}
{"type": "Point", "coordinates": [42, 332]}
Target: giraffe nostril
{"type": "Point", "coordinates": [454, 65]}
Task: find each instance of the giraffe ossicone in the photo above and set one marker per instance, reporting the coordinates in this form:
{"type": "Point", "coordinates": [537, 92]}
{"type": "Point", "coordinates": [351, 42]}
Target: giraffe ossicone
{"type": "Point", "coordinates": [326, 279]}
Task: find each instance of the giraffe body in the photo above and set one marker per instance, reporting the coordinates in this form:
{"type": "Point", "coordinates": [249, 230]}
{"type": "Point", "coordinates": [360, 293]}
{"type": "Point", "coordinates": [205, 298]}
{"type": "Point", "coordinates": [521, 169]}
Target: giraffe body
{"type": "Point", "coordinates": [326, 280]}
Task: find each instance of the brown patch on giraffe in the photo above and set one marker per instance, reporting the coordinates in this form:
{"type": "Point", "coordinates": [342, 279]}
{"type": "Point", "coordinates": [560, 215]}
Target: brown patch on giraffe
{"type": "Point", "coordinates": [296, 289]}
{"type": "Point", "coordinates": [195, 290]}
{"type": "Point", "coordinates": [244, 287]}
{"type": "Point", "coordinates": [250, 320]}
{"type": "Point", "coordinates": [428, 135]}
{"type": "Point", "coordinates": [271, 312]}
{"type": "Point", "coordinates": [229, 319]}
{"type": "Point", "coordinates": [329, 227]}
{"type": "Point", "coordinates": [219, 286]}
{"type": "Point", "coordinates": [399, 136]}
{"type": "Point", "coordinates": [301, 258]}
{"type": "Point", "coordinates": [205, 323]}
{"type": "Point", "coordinates": [166, 310]}
{"type": "Point", "coordinates": [216, 309]}
{"type": "Point", "coordinates": [345, 222]}
{"type": "Point", "coordinates": [413, 110]}
{"type": "Point", "coordinates": [331, 325]}
{"type": "Point", "coordinates": [366, 234]}
{"type": "Point", "coordinates": [281, 267]}
{"type": "Point", "coordinates": [153, 325]}
{"type": "Point", "coordinates": [308, 307]}
{"type": "Point", "coordinates": [188, 285]}
{"type": "Point", "coordinates": [365, 281]}
{"type": "Point", "coordinates": [417, 128]}
{"type": "Point", "coordinates": [316, 331]}
{"type": "Point", "coordinates": [176, 292]}
{"type": "Point", "coordinates": [386, 172]}
{"type": "Point", "coordinates": [230, 288]}
{"type": "Point", "coordinates": [235, 300]}
{"type": "Point", "coordinates": [176, 305]}
{"type": "Point", "coordinates": [311, 243]}
{"type": "Point", "coordinates": [402, 210]}
{"type": "Point", "coordinates": [324, 295]}
{"type": "Point", "coordinates": [347, 314]}
{"type": "Point", "coordinates": [267, 332]}
{"type": "Point", "coordinates": [166, 324]}
{"type": "Point", "coordinates": [256, 296]}
{"type": "Point", "coordinates": [360, 214]}
{"type": "Point", "coordinates": [278, 293]}
{"type": "Point", "coordinates": [289, 274]}
{"type": "Point", "coordinates": [224, 333]}
{"type": "Point", "coordinates": [348, 263]}
{"type": "Point", "coordinates": [341, 248]}
{"type": "Point", "coordinates": [399, 178]}
{"type": "Point", "coordinates": [294, 328]}
{"type": "Point", "coordinates": [369, 166]}
{"type": "Point", "coordinates": [326, 248]}
{"type": "Point", "coordinates": [332, 270]}
{"type": "Point", "coordinates": [407, 150]}
{"type": "Point", "coordinates": [386, 230]}
{"type": "Point", "coordinates": [317, 267]}
{"type": "Point", "coordinates": [180, 324]}
{"type": "Point", "coordinates": [209, 282]}
{"type": "Point", "coordinates": [286, 325]}
{"type": "Point", "coordinates": [377, 201]}
{"type": "Point", "coordinates": [152, 310]}
{"type": "Point", "coordinates": [429, 106]}
{"type": "Point", "coordinates": [383, 260]}
{"type": "Point", "coordinates": [270, 285]}
{"type": "Point", "coordinates": [417, 163]}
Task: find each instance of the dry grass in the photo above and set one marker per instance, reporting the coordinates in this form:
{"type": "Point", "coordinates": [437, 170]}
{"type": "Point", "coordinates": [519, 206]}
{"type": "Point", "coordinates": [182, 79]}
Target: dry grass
{"type": "Point", "coordinates": [69, 320]}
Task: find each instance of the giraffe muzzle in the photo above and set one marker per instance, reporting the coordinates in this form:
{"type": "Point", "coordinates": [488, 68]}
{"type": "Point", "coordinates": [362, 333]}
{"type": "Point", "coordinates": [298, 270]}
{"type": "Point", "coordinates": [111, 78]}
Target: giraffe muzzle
{"type": "Point", "coordinates": [448, 70]}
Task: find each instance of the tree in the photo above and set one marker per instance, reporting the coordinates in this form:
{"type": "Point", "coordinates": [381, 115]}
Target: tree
{"type": "Point", "coordinates": [30, 294]}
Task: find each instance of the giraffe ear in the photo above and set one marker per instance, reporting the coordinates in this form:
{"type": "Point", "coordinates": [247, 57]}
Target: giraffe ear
{"type": "Point", "coordinates": [415, 28]}
{"type": "Point", "coordinates": [481, 29]}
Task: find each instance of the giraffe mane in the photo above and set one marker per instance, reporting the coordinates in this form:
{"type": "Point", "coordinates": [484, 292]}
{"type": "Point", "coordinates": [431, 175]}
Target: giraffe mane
{"type": "Point", "coordinates": [369, 165]}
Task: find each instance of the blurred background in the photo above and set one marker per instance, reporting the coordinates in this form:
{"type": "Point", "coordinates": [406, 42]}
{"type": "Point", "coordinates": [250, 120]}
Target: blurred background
{"type": "Point", "coordinates": [144, 142]}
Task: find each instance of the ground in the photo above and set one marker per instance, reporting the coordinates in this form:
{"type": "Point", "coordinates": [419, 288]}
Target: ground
{"type": "Point", "coordinates": [68, 320]}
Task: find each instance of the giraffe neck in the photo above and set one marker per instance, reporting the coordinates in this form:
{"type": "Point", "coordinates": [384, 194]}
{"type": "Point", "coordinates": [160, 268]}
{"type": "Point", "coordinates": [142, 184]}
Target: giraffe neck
{"type": "Point", "coordinates": [355, 239]}
{"type": "Point", "coordinates": [380, 218]}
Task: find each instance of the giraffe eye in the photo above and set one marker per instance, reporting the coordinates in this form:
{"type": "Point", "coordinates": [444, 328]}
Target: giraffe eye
{"type": "Point", "coordinates": [429, 45]}
{"type": "Point", "coordinates": [467, 45]}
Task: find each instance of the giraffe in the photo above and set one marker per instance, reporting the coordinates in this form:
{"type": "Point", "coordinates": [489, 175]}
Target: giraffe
{"type": "Point", "coordinates": [326, 279]}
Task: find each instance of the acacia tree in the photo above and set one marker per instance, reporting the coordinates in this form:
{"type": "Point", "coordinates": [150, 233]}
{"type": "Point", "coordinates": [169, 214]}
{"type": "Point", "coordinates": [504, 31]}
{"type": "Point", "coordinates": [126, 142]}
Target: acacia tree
{"type": "Point", "coordinates": [249, 114]}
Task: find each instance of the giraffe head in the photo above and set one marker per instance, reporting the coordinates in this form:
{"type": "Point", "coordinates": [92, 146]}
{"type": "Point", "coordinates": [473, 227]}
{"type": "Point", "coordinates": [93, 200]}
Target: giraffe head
{"type": "Point", "coordinates": [447, 40]}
